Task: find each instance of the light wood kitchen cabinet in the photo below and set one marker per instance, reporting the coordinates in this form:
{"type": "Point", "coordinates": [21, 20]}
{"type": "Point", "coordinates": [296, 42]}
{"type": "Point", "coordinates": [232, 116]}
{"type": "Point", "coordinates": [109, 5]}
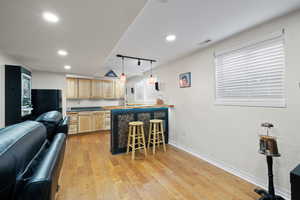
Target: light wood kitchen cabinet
{"type": "Point", "coordinates": [107, 120]}
{"type": "Point", "coordinates": [85, 122]}
{"type": "Point", "coordinates": [84, 88]}
{"type": "Point", "coordinates": [119, 89]}
{"type": "Point", "coordinates": [97, 89]}
{"type": "Point", "coordinates": [72, 88]}
{"type": "Point", "coordinates": [108, 89]}
{"type": "Point", "coordinates": [82, 122]}
{"type": "Point", "coordinates": [79, 88]}
{"type": "Point", "coordinates": [98, 121]}
{"type": "Point", "coordinates": [73, 127]}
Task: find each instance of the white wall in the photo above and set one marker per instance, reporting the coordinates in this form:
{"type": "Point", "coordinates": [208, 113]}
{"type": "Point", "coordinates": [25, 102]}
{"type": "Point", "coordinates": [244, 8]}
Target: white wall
{"type": "Point", "coordinates": [4, 59]}
{"type": "Point", "coordinates": [49, 80]}
{"type": "Point", "coordinates": [228, 135]}
{"type": "Point", "coordinates": [150, 94]}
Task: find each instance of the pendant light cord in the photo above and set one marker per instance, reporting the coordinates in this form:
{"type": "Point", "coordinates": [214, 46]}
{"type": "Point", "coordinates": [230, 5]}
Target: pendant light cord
{"type": "Point", "coordinates": [151, 67]}
{"type": "Point", "coordinates": [122, 65]}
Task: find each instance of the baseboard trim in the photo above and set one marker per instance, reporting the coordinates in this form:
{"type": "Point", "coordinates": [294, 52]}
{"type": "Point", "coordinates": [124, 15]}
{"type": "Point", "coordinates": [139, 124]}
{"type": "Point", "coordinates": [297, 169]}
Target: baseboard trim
{"type": "Point", "coordinates": [239, 173]}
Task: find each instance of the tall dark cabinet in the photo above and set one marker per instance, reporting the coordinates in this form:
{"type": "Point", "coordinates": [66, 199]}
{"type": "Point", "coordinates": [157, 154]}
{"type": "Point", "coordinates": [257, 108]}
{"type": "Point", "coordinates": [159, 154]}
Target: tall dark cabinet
{"type": "Point", "coordinates": [17, 94]}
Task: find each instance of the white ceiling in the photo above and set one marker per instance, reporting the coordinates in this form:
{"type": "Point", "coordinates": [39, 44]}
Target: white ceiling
{"type": "Point", "coordinates": [192, 21]}
{"type": "Point", "coordinates": [90, 30]}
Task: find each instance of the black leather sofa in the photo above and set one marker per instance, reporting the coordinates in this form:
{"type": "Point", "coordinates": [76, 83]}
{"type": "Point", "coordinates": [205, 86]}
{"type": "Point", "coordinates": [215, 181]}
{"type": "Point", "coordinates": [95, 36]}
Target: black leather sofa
{"type": "Point", "coordinates": [30, 164]}
{"type": "Point", "coordinates": [54, 123]}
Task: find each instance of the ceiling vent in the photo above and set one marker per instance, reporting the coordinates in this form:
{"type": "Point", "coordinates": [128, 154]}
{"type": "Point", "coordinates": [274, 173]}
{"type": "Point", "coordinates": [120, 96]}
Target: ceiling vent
{"type": "Point", "coordinates": [163, 1]}
{"type": "Point", "coordinates": [204, 42]}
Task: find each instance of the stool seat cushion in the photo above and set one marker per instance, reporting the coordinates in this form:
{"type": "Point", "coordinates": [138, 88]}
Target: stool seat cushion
{"type": "Point", "coordinates": [136, 123]}
{"type": "Point", "coordinates": [156, 121]}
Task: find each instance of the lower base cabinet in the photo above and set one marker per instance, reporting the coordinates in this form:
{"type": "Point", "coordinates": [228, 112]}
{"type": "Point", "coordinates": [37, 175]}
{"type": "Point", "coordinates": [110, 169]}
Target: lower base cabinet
{"type": "Point", "coordinates": [98, 121]}
{"type": "Point", "coordinates": [73, 127]}
{"type": "Point", "coordinates": [83, 122]}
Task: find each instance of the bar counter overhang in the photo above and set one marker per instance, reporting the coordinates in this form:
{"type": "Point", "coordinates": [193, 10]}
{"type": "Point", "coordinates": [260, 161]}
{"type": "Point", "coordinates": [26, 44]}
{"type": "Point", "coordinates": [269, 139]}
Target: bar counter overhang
{"type": "Point", "coordinates": [121, 116]}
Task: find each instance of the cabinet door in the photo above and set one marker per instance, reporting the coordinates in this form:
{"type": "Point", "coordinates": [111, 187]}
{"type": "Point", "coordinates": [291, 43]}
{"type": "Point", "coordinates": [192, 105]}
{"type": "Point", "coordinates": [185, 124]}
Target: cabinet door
{"type": "Point", "coordinates": [119, 89]}
{"type": "Point", "coordinates": [107, 123]}
{"type": "Point", "coordinates": [73, 118]}
{"type": "Point", "coordinates": [98, 121]}
{"type": "Point", "coordinates": [97, 89]}
{"type": "Point", "coordinates": [72, 88]}
{"type": "Point", "coordinates": [108, 89]}
{"type": "Point", "coordinates": [85, 122]}
{"type": "Point", "coordinates": [73, 127]}
{"type": "Point", "coordinates": [107, 120]}
{"type": "Point", "coordinates": [84, 88]}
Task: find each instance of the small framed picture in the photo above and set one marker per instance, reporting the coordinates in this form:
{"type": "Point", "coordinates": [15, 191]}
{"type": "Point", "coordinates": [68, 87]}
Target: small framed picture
{"type": "Point", "coordinates": [185, 80]}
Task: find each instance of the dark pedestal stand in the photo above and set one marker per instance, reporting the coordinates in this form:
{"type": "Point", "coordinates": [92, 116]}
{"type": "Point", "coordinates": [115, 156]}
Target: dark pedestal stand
{"type": "Point", "coordinates": [271, 194]}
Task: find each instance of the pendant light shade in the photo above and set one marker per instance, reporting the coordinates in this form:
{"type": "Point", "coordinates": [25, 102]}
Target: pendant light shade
{"type": "Point", "coordinates": [123, 77]}
{"type": "Point", "coordinates": [151, 79]}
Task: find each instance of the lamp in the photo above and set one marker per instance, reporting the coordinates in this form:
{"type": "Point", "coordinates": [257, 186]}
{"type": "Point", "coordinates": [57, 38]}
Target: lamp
{"type": "Point", "coordinates": [151, 79]}
{"type": "Point", "coordinates": [123, 76]}
{"type": "Point", "coordinates": [268, 147]}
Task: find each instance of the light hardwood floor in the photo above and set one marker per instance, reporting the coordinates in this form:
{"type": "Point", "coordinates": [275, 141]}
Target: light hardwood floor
{"type": "Point", "coordinates": [90, 172]}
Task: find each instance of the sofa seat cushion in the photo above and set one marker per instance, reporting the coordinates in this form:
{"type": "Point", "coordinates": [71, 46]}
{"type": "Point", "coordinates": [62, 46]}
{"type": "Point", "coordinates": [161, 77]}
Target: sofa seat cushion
{"type": "Point", "coordinates": [44, 182]}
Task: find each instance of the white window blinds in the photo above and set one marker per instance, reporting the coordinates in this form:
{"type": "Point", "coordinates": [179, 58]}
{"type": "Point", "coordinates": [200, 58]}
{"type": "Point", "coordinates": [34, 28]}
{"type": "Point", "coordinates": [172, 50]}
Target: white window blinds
{"type": "Point", "coordinates": [252, 75]}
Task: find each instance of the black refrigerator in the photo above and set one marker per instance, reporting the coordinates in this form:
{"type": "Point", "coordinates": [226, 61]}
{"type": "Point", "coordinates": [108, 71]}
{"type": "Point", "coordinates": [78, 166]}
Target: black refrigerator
{"type": "Point", "coordinates": [44, 100]}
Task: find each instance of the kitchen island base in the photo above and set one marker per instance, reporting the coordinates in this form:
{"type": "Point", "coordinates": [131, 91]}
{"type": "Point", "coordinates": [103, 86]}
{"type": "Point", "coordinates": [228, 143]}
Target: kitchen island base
{"type": "Point", "coordinates": [120, 119]}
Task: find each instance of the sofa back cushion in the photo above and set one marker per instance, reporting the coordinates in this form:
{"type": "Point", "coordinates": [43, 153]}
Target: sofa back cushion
{"type": "Point", "coordinates": [20, 144]}
{"type": "Point", "coordinates": [51, 121]}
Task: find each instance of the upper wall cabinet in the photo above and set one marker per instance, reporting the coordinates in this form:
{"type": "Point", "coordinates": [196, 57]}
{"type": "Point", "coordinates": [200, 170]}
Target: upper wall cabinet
{"type": "Point", "coordinates": [97, 89]}
{"type": "Point", "coordinates": [84, 88]}
{"type": "Point", "coordinates": [108, 89]}
{"type": "Point", "coordinates": [72, 88]}
{"type": "Point", "coordinates": [78, 88]}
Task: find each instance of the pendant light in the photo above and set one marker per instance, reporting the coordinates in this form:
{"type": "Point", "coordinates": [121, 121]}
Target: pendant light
{"type": "Point", "coordinates": [123, 76]}
{"type": "Point", "coordinates": [151, 79]}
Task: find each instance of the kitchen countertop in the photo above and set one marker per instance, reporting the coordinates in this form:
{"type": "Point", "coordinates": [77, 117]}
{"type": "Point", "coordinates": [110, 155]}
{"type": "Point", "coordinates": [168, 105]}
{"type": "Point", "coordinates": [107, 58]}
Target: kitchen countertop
{"type": "Point", "coordinates": [83, 109]}
{"type": "Point", "coordinates": [107, 108]}
{"type": "Point", "coordinates": [137, 106]}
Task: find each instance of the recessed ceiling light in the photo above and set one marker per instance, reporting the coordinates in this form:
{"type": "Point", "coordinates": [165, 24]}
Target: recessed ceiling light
{"type": "Point", "coordinates": [171, 38]}
{"type": "Point", "coordinates": [50, 17]}
{"type": "Point", "coordinates": [62, 52]}
{"type": "Point", "coordinates": [67, 67]}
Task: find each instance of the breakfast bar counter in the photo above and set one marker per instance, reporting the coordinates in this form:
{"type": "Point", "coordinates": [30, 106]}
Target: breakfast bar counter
{"type": "Point", "coordinates": [122, 115]}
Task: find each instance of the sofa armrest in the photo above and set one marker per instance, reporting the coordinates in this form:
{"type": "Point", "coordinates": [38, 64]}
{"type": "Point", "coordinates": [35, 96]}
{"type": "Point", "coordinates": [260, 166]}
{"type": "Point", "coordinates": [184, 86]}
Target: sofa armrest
{"type": "Point", "coordinates": [63, 126]}
{"type": "Point", "coordinates": [44, 182]}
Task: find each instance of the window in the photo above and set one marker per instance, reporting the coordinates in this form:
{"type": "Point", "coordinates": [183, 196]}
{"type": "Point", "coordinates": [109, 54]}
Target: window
{"type": "Point", "coordinates": [252, 75]}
